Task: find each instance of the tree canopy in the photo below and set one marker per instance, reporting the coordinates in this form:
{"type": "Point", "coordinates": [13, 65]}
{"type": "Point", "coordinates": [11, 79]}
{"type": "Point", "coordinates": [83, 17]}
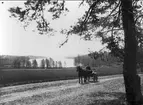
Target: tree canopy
{"type": "Point", "coordinates": [102, 20]}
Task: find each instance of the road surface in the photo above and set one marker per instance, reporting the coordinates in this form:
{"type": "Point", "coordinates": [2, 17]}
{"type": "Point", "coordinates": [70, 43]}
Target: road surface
{"type": "Point", "coordinates": [54, 93]}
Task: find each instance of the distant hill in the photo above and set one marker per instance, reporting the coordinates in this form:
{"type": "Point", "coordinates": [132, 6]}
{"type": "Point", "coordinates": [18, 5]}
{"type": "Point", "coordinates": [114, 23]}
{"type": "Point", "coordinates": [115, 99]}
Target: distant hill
{"type": "Point", "coordinates": [15, 56]}
{"type": "Point", "coordinates": [70, 57]}
{"type": "Point", "coordinates": [36, 57]}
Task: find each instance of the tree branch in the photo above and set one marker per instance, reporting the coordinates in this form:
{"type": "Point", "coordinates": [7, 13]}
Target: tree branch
{"type": "Point", "coordinates": [81, 3]}
{"type": "Point", "coordinates": [118, 5]}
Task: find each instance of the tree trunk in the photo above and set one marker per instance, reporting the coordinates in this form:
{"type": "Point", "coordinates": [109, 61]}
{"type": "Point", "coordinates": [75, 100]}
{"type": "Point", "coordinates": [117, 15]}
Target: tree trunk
{"type": "Point", "coordinates": [131, 78]}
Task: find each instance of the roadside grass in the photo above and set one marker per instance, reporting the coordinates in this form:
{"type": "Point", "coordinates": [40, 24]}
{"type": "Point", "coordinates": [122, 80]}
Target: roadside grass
{"type": "Point", "coordinates": [108, 98]}
{"type": "Point", "coordinates": [113, 93]}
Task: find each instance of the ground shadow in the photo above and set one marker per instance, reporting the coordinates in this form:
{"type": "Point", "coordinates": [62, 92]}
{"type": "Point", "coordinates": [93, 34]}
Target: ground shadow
{"type": "Point", "coordinates": [93, 81]}
{"type": "Point", "coordinates": [84, 83]}
{"type": "Point", "coordinates": [108, 98]}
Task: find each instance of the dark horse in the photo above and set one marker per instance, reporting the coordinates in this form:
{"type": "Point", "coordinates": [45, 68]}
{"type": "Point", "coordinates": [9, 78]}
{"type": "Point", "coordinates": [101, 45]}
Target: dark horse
{"type": "Point", "coordinates": [83, 74]}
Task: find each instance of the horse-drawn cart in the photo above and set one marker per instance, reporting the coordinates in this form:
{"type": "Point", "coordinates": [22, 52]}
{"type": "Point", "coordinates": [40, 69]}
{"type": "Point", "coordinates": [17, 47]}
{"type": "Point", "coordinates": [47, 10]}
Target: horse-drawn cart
{"type": "Point", "coordinates": [86, 75]}
{"type": "Point", "coordinates": [94, 76]}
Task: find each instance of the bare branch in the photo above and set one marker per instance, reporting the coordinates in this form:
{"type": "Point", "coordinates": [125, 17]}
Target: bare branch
{"type": "Point", "coordinates": [63, 43]}
{"type": "Point", "coordinates": [81, 3]}
{"type": "Point", "coordinates": [67, 38]}
{"type": "Point", "coordinates": [89, 11]}
{"type": "Point", "coordinates": [118, 5]}
{"type": "Point", "coordinates": [140, 16]}
{"type": "Point", "coordinates": [113, 30]}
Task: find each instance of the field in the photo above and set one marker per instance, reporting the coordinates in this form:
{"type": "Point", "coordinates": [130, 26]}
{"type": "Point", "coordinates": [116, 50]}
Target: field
{"type": "Point", "coordinates": [20, 76]}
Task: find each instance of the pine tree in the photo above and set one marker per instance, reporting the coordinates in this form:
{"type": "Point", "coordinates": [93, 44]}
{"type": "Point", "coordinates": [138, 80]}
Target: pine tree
{"type": "Point", "coordinates": [51, 62]}
{"type": "Point", "coordinates": [28, 64]}
{"type": "Point", "coordinates": [47, 63]}
{"type": "Point", "coordinates": [60, 64]}
{"type": "Point", "coordinates": [34, 64]}
{"type": "Point", "coordinates": [56, 64]}
{"type": "Point", "coordinates": [42, 64]}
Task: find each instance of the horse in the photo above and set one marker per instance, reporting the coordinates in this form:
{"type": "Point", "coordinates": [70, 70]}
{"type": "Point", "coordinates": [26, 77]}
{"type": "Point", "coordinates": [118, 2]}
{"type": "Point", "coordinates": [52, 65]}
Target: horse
{"type": "Point", "coordinates": [88, 72]}
{"type": "Point", "coordinates": [81, 74]}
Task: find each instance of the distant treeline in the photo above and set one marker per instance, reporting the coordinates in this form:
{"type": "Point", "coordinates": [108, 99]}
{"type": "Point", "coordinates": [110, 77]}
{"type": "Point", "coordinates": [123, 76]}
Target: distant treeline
{"type": "Point", "coordinates": [102, 58]}
{"type": "Point", "coordinates": [95, 59]}
{"type": "Point", "coordinates": [7, 61]}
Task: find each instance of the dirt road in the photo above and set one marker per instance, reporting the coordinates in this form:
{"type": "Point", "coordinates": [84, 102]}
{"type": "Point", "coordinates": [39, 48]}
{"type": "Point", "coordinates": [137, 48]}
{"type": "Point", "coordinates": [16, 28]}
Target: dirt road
{"type": "Point", "coordinates": [65, 92]}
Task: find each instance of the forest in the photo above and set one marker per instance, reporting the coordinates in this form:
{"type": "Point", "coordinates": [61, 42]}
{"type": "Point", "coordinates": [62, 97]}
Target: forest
{"type": "Point", "coordinates": [7, 61]}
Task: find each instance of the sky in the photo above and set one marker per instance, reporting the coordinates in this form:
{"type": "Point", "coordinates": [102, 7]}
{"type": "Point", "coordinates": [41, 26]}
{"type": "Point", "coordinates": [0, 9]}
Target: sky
{"type": "Point", "coordinates": [14, 40]}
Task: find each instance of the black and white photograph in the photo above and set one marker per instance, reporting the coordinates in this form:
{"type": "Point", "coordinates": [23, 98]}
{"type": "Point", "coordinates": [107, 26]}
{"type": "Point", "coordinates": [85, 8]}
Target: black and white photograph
{"type": "Point", "coordinates": [71, 52]}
